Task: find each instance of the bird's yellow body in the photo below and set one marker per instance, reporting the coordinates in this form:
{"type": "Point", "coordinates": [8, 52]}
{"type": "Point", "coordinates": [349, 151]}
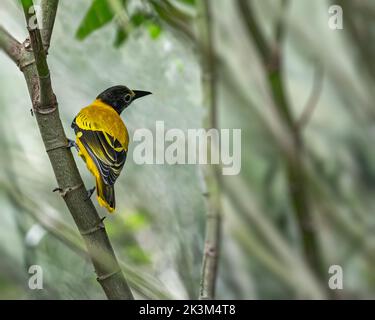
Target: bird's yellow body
{"type": "Point", "coordinates": [100, 117]}
{"type": "Point", "coordinates": [102, 139]}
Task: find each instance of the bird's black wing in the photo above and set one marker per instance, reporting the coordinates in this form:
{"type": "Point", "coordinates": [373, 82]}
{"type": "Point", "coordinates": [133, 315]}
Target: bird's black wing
{"type": "Point", "coordinates": [107, 153]}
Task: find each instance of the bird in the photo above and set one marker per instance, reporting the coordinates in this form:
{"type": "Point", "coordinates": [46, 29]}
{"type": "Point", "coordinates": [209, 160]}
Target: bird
{"type": "Point", "coordinates": [102, 139]}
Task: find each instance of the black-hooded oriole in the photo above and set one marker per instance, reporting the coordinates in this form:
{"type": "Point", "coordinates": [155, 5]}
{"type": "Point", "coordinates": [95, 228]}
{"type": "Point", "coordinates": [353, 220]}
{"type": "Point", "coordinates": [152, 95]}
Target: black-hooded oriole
{"type": "Point", "coordinates": [102, 139]}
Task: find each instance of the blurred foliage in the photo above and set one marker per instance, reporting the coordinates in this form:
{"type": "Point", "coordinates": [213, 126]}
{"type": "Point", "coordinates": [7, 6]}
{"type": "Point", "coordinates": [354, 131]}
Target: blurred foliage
{"type": "Point", "coordinates": [99, 14]}
{"type": "Point", "coordinates": [158, 230]}
{"type": "Point", "coordinates": [145, 14]}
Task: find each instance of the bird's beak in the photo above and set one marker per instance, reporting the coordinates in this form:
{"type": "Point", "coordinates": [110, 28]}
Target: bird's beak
{"type": "Point", "coordinates": [140, 94]}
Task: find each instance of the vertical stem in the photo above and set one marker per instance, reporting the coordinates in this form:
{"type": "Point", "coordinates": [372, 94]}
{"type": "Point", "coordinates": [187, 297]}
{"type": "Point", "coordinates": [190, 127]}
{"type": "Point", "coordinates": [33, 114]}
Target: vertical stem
{"type": "Point", "coordinates": [45, 98]}
{"type": "Point", "coordinates": [272, 63]}
{"type": "Point", "coordinates": [49, 10]}
{"type": "Point", "coordinates": [211, 172]}
{"type": "Point", "coordinates": [34, 66]}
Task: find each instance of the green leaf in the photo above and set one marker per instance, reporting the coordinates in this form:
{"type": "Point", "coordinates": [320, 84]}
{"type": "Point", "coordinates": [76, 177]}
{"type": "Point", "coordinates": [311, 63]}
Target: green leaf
{"type": "Point", "coordinates": [138, 18]}
{"type": "Point", "coordinates": [189, 2]}
{"type": "Point", "coordinates": [97, 16]}
{"type": "Point", "coordinates": [137, 255]}
{"type": "Point", "coordinates": [26, 4]}
{"type": "Point", "coordinates": [121, 36]}
{"type": "Point", "coordinates": [154, 30]}
{"type": "Point", "coordinates": [136, 221]}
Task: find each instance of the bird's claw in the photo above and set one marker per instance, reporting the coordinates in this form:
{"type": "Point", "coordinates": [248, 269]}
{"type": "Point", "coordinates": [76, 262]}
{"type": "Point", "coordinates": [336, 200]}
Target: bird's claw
{"type": "Point", "coordinates": [71, 144]}
{"type": "Point", "coordinates": [90, 192]}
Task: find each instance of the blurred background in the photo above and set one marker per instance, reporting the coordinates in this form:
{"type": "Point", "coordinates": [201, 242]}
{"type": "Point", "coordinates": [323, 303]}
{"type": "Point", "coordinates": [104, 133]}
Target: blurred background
{"type": "Point", "coordinates": [302, 94]}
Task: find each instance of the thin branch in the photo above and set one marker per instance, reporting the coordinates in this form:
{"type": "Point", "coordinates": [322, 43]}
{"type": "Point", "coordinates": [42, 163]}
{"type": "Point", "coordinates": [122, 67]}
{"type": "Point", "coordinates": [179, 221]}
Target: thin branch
{"type": "Point", "coordinates": [174, 18]}
{"type": "Point", "coordinates": [361, 37]}
{"type": "Point", "coordinates": [272, 63]}
{"type": "Point", "coordinates": [10, 45]}
{"type": "Point", "coordinates": [250, 213]}
{"type": "Point", "coordinates": [270, 56]}
{"type": "Point", "coordinates": [313, 99]}
{"type": "Point", "coordinates": [211, 174]}
{"type": "Point", "coordinates": [281, 25]}
{"type": "Point", "coordinates": [45, 101]}
{"type": "Point", "coordinates": [72, 240]}
{"type": "Point", "coordinates": [49, 9]}
{"type": "Point", "coordinates": [34, 66]}
{"type": "Point", "coordinates": [253, 29]}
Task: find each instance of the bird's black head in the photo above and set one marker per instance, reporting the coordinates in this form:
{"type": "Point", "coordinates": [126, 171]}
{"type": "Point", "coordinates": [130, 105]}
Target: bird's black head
{"type": "Point", "coordinates": [120, 97]}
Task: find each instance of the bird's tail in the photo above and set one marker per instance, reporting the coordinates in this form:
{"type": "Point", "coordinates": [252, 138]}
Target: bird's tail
{"type": "Point", "coordinates": [106, 195]}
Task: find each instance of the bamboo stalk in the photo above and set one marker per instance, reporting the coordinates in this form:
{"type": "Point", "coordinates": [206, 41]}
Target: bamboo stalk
{"type": "Point", "coordinates": [211, 174]}
{"type": "Point", "coordinates": [49, 10]}
{"type": "Point", "coordinates": [34, 66]}
{"type": "Point", "coordinates": [10, 45]}
{"type": "Point", "coordinates": [272, 63]}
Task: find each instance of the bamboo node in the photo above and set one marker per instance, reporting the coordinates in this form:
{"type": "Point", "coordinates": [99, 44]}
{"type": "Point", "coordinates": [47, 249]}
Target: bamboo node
{"type": "Point", "coordinates": [99, 226]}
{"type": "Point", "coordinates": [210, 251]}
{"type": "Point", "coordinates": [65, 191]}
{"type": "Point", "coordinates": [108, 275]}
{"type": "Point", "coordinates": [26, 63]}
{"type": "Point", "coordinates": [46, 109]}
{"type": "Point", "coordinates": [58, 145]}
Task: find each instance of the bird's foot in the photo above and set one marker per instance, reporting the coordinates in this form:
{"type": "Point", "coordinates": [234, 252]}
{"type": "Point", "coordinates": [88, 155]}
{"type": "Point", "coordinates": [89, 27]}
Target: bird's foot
{"type": "Point", "coordinates": [71, 144]}
{"type": "Point", "coordinates": [89, 193]}
{"type": "Point", "coordinates": [98, 226]}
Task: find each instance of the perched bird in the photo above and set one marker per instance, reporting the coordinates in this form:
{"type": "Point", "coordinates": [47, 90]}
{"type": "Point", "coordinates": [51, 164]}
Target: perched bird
{"type": "Point", "coordinates": [102, 139]}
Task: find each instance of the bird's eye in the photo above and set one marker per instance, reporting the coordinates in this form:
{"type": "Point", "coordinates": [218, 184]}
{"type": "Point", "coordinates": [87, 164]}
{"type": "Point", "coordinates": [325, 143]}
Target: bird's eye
{"type": "Point", "coordinates": [128, 97]}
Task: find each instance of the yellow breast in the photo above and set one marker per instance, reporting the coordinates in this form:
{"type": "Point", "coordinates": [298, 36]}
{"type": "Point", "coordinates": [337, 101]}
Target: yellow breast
{"type": "Point", "coordinates": [99, 116]}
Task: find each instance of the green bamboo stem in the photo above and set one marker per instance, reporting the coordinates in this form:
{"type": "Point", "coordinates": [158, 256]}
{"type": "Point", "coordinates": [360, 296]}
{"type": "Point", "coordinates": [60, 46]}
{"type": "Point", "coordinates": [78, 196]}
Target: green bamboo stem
{"type": "Point", "coordinates": [174, 18]}
{"type": "Point", "coordinates": [49, 10]}
{"type": "Point", "coordinates": [211, 173]}
{"type": "Point", "coordinates": [72, 240]}
{"type": "Point", "coordinates": [33, 64]}
{"type": "Point", "coordinates": [10, 45]}
{"type": "Point", "coordinates": [272, 64]}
